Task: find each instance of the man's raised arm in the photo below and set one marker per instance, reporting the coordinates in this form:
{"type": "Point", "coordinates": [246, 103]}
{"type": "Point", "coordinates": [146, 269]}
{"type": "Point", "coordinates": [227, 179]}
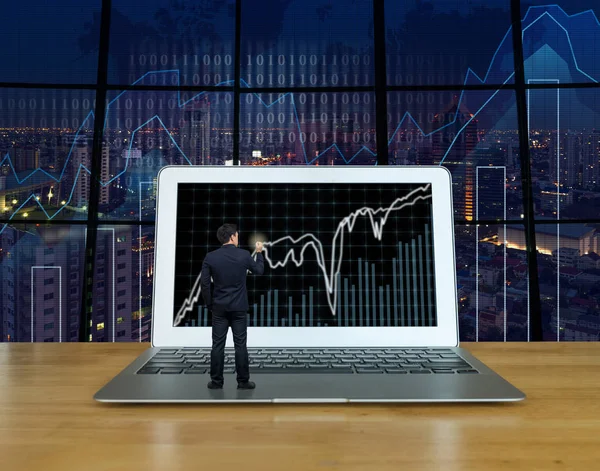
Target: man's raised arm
{"type": "Point", "coordinates": [257, 267]}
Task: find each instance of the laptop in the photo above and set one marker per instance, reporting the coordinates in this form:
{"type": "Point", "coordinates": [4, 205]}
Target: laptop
{"type": "Point", "coordinates": [357, 302]}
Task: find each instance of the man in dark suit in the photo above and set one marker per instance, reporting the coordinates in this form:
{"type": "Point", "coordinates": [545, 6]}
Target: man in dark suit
{"type": "Point", "coordinates": [228, 301]}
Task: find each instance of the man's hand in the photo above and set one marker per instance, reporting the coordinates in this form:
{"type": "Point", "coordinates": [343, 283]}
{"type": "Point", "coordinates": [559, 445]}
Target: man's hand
{"type": "Point", "coordinates": [259, 247]}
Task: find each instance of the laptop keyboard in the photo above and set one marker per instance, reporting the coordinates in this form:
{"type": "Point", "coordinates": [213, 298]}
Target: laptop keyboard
{"type": "Point", "coordinates": [314, 361]}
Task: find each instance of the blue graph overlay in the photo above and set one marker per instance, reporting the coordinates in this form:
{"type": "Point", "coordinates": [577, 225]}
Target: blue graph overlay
{"type": "Point", "coordinates": [565, 44]}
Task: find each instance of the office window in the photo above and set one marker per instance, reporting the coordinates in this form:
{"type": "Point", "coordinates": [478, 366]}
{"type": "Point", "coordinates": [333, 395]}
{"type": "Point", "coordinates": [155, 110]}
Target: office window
{"type": "Point", "coordinates": [565, 152]}
{"type": "Point", "coordinates": [46, 168]}
{"type": "Point", "coordinates": [195, 38]}
{"type": "Point", "coordinates": [151, 129]}
{"type": "Point", "coordinates": [315, 128]}
{"type": "Point", "coordinates": [48, 43]}
{"type": "Point", "coordinates": [492, 282]}
{"type": "Point", "coordinates": [307, 43]}
{"type": "Point", "coordinates": [474, 134]}
{"type": "Point", "coordinates": [433, 43]}
{"type": "Point", "coordinates": [30, 275]}
{"type": "Point", "coordinates": [569, 267]}
{"type": "Point", "coordinates": [307, 94]}
{"type": "Point", "coordinates": [560, 41]}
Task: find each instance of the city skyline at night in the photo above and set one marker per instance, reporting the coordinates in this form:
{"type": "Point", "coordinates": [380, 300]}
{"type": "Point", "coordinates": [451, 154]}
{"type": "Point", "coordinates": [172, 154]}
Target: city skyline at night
{"type": "Point", "coordinates": [449, 102]}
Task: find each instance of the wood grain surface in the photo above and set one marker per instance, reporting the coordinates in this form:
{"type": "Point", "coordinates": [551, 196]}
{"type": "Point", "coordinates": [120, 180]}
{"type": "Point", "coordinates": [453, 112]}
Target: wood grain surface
{"type": "Point", "coordinates": [49, 421]}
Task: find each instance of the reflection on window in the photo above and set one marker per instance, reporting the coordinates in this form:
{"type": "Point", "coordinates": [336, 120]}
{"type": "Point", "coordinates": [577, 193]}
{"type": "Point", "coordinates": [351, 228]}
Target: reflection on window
{"type": "Point", "coordinates": [123, 304]}
{"type": "Point", "coordinates": [193, 38]}
{"type": "Point", "coordinates": [565, 152]}
{"type": "Point", "coordinates": [560, 41]}
{"type": "Point", "coordinates": [39, 266]}
{"type": "Point", "coordinates": [449, 42]}
{"type": "Point", "coordinates": [43, 42]}
{"type": "Point", "coordinates": [472, 133]}
{"type": "Point", "coordinates": [569, 275]}
{"type": "Point", "coordinates": [45, 153]}
{"type": "Point", "coordinates": [146, 130]}
{"type": "Point", "coordinates": [308, 129]}
{"type": "Point", "coordinates": [46, 137]}
{"type": "Point", "coordinates": [307, 43]}
{"type": "Point", "coordinates": [492, 277]}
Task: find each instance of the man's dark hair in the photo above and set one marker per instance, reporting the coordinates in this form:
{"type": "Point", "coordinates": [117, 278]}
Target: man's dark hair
{"type": "Point", "coordinates": [225, 232]}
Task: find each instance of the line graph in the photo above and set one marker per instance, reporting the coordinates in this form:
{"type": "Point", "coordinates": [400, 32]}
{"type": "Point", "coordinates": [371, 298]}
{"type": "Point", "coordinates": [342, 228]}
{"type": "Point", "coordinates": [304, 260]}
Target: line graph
{"type": "Point", "coordinates": [377, 218]}
{"type": "Point", "coordinates": [470, 71]}
{"type": "Point", "coordinates": [529, 20]}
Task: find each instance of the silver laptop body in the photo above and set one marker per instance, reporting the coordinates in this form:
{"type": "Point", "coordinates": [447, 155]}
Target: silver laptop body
{"type": "Point", "coordinates": [358, 299]}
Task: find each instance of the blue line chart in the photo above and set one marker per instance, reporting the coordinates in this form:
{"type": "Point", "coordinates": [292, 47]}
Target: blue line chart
{"type": "Point", "coordinates": [528, 21]}
{"type": "Point", "coordinates": [407, 115]}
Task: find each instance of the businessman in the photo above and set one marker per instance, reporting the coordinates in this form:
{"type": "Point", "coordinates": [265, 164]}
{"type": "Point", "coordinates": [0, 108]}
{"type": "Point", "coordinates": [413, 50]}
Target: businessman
{"type": "Point", "coordinates": [228, 301]}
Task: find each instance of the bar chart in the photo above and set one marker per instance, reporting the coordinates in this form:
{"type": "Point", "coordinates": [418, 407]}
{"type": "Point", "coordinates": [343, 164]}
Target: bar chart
{"type": "Point", "coordinates": [406, 300]}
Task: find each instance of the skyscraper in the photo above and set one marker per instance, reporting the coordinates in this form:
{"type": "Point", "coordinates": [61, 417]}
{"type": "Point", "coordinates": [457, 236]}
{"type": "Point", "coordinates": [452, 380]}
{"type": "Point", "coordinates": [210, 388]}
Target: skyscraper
{"type": "Point", "coordinates": [82, 157]}
{"type": "Point", "coordinates": [490, 182]}
{"type": "Point", "coordinates": [25, 157]}
{"type": "Point", "coordinates": [113, 285]}
{"type": "Point", "coordinates": [457, 149]}
{"type": "Point", "coordinates": [570, 160]}
{"type": "Point", "coordinates": [43, 266]}
{"type": "Point", "coordinates": [8, 286]}
{"type": "Point", "coordinates": [104, 176]}
{"type": "Point", "coordinates": [195, 135]}
{"type": "Point", "coordinates": [591, 160]}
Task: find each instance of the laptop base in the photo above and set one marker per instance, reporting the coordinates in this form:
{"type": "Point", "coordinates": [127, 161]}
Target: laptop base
{"type": "Point", "coordinates": [486, 386]}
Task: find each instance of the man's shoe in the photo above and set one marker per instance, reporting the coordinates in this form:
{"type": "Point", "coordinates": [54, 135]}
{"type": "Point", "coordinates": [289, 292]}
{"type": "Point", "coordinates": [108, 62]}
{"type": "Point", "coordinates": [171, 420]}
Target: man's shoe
{"type": "Point", "coordinates": [213, 385]}
{"type": "Point", "coordinates": [247, 385]}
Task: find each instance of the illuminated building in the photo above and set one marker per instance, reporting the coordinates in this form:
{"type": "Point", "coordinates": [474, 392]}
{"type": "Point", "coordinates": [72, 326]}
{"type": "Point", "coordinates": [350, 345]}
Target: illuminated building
{"type": "Point", "coordinates": [195, 135]}
{"type": "Point", "coordinates": [25, 157]}
{"type": "Point", "coordinates": [579, 237]}
{"type": "Point", "coordinates": [591, 160]}
{"type": "Point", "coordinates": [457, 147]}
{"type": "Point", "coordinates": [82, 156]}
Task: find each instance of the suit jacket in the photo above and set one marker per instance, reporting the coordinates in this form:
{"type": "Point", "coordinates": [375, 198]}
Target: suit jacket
{"type": "Point", "coordinates": [228, 267]}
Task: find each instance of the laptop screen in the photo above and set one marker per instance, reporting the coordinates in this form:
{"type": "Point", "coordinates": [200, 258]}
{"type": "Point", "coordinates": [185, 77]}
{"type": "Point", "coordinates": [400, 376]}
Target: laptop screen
{"type": "Point", "coordinates": [339, 255]}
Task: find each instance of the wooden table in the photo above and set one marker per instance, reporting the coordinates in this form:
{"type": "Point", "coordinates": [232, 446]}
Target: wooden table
{"type": "Point", "coordinates": [49, 421]}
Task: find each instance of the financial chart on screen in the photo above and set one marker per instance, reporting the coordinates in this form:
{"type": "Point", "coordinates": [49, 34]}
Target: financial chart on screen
{"type": "Point", "coordinates": [336, 255]}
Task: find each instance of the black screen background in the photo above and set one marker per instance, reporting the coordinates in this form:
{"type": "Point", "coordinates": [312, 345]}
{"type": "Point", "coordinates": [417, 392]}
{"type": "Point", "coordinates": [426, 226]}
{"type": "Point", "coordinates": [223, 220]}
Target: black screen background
{"type": "Point", "coordinates": [277, 210]}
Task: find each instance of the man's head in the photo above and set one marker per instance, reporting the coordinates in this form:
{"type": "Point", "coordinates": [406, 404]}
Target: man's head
{"type": "Point", "coordinates": [228, 234]}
